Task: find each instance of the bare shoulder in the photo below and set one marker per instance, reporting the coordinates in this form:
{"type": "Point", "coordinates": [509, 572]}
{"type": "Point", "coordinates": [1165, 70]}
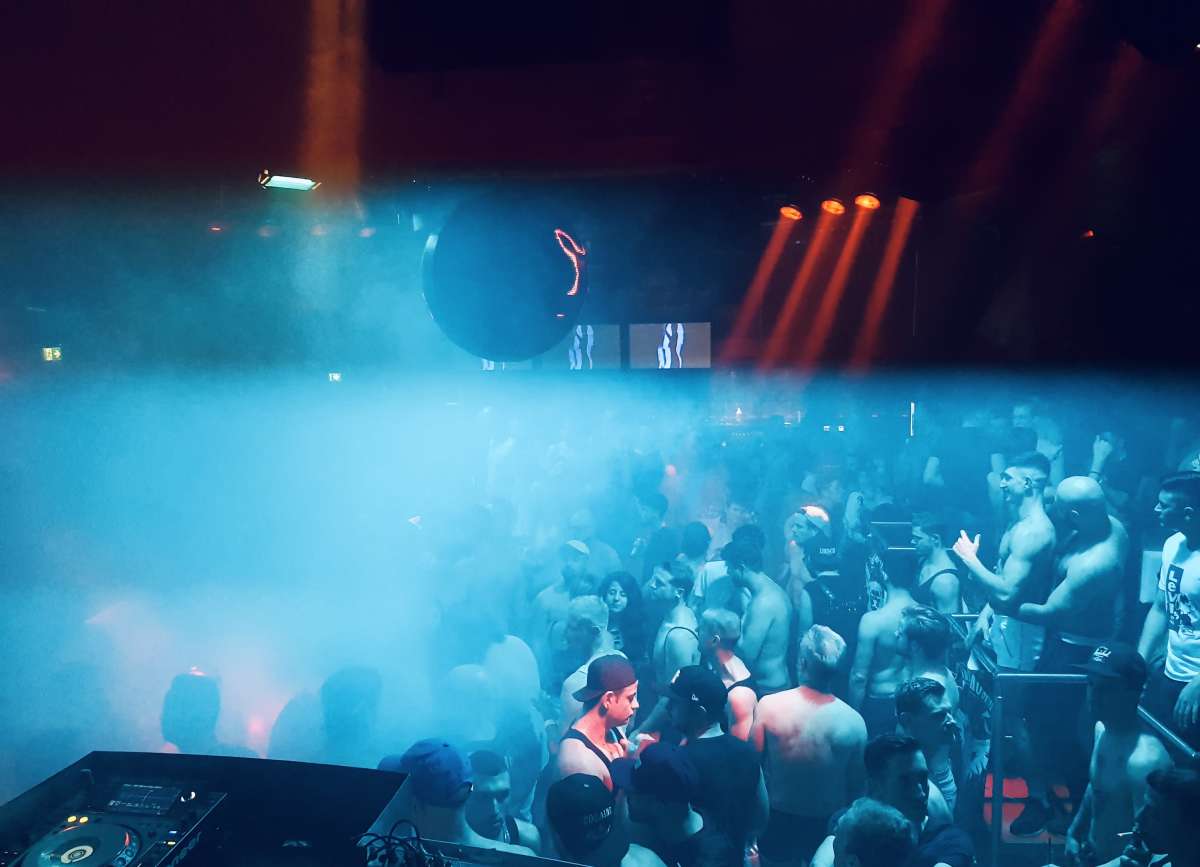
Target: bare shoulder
{"type": "Point", "coordinates": [1032, 536]}
{"type": "Point", "coordinates": [575, 758]}
{"type": "Point", "coordinates": [1150, 755]}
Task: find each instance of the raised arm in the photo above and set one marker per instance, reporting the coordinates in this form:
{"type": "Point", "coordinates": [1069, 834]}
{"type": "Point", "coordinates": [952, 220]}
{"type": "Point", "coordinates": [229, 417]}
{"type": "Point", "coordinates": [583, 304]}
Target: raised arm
{"type": "Point", "coordinates": [1027, 546]}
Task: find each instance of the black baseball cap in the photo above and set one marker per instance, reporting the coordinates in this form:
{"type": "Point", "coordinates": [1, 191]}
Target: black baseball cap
{"type": "Point", "coordinates": [611, 673]}
{"type": "Point", "coordinates": [700, 686]}
{"type": "Point", "coordinates": [582, 812]}
{"type": "Point", "coordinates": [1118, 661]}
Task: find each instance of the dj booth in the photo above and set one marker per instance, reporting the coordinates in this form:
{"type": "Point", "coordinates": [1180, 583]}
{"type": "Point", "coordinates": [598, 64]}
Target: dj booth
{"type": "Point", "coordinates": [157, 810]}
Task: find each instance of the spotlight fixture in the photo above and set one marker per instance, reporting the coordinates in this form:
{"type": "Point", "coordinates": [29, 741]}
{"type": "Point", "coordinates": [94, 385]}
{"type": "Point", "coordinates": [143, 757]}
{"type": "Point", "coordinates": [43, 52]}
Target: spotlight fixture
{"type": "Point", "coordinates": [284, 182]}
{"type": "Point", "coordinates": [791, 212]}
{"type": "Point", "coordinates": [833, 206]}
{"type": "Point", "coordinates": [868, 201]}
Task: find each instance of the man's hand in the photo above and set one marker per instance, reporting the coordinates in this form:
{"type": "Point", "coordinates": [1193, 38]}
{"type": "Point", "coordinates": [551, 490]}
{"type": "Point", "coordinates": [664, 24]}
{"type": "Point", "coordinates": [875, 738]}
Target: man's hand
{"type": "Point", "coordinates": [1078, 853]}
{"type": "Point", "coordinates": [1102, 449]}
{"type": "Point", "coordinates": [1136, 855]}
{"type": "Point", "coordinates": [967, 548]}
{"type": "Point", "coordinates": [1187, 708]}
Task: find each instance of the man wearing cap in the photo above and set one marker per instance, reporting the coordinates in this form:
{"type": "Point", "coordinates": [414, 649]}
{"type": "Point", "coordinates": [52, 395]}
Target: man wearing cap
{"type": "Point", "coordinates": [660, 788]}
{"type": "Point", "coordinates": [731, 793]}
{"type": "Point", "coordinates": [434, 797]}
{"type": "Point", "coordinates": [596, 739]}
{"type": "Point", "coordinates": [1123, 756]}
{"type": "Point", "coordinates": [587, 829]}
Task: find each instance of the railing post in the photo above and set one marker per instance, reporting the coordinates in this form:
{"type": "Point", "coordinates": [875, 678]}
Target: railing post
{"type": "Point", "coordinates": [997, 828]}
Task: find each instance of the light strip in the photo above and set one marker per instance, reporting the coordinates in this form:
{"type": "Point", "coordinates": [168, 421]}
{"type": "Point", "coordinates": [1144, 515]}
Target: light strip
{"type": "Point", "coordinates": [574, 251]}
{"type": "Point", "coordinates": [284, 182]}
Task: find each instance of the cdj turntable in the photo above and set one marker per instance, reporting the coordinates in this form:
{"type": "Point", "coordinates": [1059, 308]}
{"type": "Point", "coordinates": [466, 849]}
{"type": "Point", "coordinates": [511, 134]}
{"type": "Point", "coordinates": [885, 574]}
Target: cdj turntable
{"type": "Point", "coordinates": [124, 824]}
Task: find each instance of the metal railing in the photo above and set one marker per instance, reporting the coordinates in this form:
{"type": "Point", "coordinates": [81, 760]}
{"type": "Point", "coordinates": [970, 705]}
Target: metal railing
{"type": "Point", "coordinates": [1004, 679]}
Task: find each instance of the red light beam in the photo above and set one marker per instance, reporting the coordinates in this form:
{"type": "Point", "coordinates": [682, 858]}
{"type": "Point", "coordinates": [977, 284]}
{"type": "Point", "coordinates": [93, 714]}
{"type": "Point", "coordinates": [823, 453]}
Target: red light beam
{"type": "Point", "coordinates": [758, 286]}
{"type": "Point", "coordinates": [885, 279]}
{"type": "Point", "coordinates": [816, 246]}
{"type": "Point", "coordinates": [823, 324]}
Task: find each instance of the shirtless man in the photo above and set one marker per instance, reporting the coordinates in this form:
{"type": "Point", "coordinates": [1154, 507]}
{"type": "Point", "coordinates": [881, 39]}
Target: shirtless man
{"type": "Point", "coordinates": [720, 631]}
{"type": "Point", "coordinates": [812, 747]}
{"type": "Point", "coordinates": [877, 666]}
{"type": "Point", "coordinates": [937, 584]}
{"type": "Point", "coordinates": [1081, 609]}
{"type": "Point", "coordinates": [595, 740]}
{"type": "Point", "coordinates": [1122, 757]}
{"type": "Point", "coordinates": [1025, 574]}
{"type": "Point", "coordinates": [766, 626]}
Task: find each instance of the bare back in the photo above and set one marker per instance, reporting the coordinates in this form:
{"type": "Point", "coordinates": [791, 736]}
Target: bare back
{"type": "Point", "coordinates": [812, 745]}
{"type": "Point", "coordinates": [766, 629]}
{"type": "Point", "coordinates": [877, 659]}
{"type": "Point", "coordinates": [1120, 765]}
{"type": "Point", "coordinates": [1092, 576]}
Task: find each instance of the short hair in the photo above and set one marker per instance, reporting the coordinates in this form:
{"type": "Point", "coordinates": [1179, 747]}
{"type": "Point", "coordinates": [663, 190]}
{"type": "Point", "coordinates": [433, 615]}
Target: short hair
{"type": "Point", "coordinates": [821, 651]}
{"type": "Point", "coordinates": [932, 524]}
{"type": "Point", "coordinates": [653, 500]}
{"type": "Point", "coordinates": [695, 540]}
{"type": "Point", "coordinates": [750, 534]}
{"type": "Point", "coordinates": [1183, 485]}
{"type": "Point", "coordinates": [1181, 786]}
{"type": "Point", "coordinates": [191, 707]}
{"type": "Point", "coordinates": [910, 697]}
{"type": "Point", "coordinates": [488, 763]}
{"type": "Point", "coordinates": [1032, 461]}
{"type": "Point", "coordinates": [930, 630]}
{"type": "Point", "coordinates": [589, 608]}
{"type": "Point", "coordinates": [876, 834]}
{"type": "Point", "coordinates": [725, 624]}
{"type": "Point", "coordinates": [679, 574]}
{"type": "Point", "coordinates": [743, 555]}
{"type": "Point", "coordinates": [881, 750]}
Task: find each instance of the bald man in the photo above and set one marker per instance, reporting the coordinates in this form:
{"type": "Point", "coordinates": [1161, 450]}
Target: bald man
{"type": "Point", "coordinates": [1079, 614]}
{"type": "Point", "coordinates": [1080, 611]}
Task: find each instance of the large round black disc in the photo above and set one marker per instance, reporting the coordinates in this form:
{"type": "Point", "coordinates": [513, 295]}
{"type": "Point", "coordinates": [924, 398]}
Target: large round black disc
{"type": "Point", "coordinates": [506, 276]}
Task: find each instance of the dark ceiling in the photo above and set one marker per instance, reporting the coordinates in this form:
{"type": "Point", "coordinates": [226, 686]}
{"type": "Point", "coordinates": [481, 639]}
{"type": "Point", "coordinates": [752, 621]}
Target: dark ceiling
{"type": "Point", "coordinates": [1017, 125]}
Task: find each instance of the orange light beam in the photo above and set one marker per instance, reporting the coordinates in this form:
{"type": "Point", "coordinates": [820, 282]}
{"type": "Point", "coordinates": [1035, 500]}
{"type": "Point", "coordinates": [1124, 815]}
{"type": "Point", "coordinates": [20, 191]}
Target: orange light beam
{"type": "Point", "coordinates": [922, 28]}
{"type": "Point", "coordinates": [885, 279]}
{"type": "Point", "coordinates": [791, 304]}
{"type": "Point", "coordinates": [1047, 49]}
{"type": "Point", "coordinates": [758, 286]}
{"type": "Point", "coordinates": [823, 323]}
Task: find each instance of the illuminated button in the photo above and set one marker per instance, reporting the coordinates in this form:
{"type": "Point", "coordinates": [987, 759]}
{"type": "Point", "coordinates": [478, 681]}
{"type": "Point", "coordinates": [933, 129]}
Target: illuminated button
{"type": "Point", "coordinates": [72, 818]}
{"type": "Point", "coordinates": [83, 820]}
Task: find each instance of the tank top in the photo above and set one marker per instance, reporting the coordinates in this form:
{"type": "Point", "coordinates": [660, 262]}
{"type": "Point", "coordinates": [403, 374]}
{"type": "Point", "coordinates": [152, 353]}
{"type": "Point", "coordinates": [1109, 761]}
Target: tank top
{"type": "Point", "coordinates": [922, 594]}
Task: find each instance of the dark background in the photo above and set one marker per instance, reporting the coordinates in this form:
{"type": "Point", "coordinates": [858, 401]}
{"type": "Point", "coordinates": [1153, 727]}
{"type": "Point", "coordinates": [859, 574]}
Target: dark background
{"type": "Point", "coordinates": [131, 128]}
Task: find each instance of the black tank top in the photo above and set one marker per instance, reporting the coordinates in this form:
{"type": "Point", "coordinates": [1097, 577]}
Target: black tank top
{"type": "Point", "coordinates": [576, 735]}
{"type": "Point", "coordinates": [922, 594]}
